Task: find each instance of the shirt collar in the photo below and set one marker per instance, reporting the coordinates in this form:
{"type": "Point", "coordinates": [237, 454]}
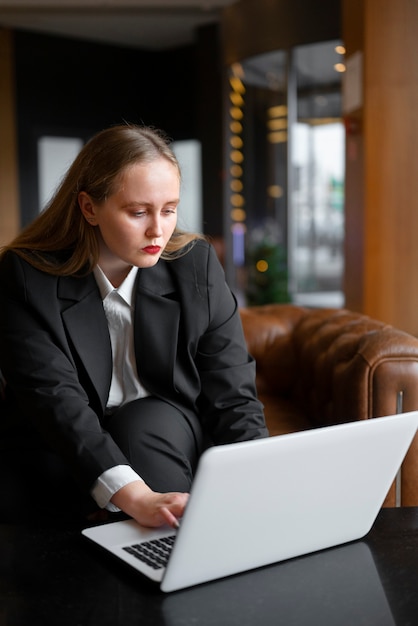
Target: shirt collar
{"type": "Point", "coordinates": [125, 290]}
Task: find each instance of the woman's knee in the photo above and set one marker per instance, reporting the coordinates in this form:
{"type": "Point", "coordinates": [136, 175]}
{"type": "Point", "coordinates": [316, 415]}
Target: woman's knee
{"type": "Point", "coordinates": [159, 441]}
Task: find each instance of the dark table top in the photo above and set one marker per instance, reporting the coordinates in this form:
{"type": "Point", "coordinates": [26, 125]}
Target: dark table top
{"type": "Point", "coordinates": [54, 576]}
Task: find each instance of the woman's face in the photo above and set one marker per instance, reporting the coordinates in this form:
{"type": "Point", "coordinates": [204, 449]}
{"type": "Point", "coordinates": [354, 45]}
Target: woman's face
{"type": "Point", "coordinates": [136, 222]}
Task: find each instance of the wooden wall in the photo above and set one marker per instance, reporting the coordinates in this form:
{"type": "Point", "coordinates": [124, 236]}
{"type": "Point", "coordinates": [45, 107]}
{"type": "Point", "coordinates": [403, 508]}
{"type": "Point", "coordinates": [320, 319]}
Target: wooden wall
{"type": "Point", "coordinates": [382, 183]}
{"type": "Point", "coordinates": [9, 205]}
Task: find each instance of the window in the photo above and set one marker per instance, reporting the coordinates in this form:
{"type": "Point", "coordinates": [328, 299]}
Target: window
{"type": "Point", "coordinates": [55, 155]}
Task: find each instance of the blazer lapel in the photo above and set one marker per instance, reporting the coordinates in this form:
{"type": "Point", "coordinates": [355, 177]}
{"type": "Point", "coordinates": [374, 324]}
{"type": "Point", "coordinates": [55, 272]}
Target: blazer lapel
{"type": "Point", "coordinates": [156, 328]}
{"type": "Point", "coordinates": [86, 324]}
{"type": "Point", "coordinates": [157, 318]}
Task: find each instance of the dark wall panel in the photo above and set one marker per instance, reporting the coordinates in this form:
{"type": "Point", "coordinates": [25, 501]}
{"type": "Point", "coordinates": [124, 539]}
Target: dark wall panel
{"type": "Point", "coordinates": [76, 88]}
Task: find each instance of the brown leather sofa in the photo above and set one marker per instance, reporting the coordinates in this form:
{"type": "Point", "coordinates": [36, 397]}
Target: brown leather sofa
{"type": "Point", "coordinates": [317, 367]}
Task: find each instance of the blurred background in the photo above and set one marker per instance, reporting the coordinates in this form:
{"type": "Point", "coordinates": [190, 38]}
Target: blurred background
{"type": "Point", "coordinates": [293, 121]}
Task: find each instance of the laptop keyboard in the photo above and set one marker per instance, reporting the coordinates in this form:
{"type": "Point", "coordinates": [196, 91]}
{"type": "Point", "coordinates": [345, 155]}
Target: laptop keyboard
{"type": "Point", "coordinates": [154, 553]}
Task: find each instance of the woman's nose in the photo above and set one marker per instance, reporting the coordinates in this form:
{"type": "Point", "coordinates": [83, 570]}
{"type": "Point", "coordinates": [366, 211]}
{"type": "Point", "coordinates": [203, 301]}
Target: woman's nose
{"type": "Point", "coordinates": [154, 227]}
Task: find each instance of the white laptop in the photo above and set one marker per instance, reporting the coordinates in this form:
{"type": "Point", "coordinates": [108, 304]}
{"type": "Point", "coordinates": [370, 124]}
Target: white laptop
{"type": "Point", "coordinates": [260, 502]}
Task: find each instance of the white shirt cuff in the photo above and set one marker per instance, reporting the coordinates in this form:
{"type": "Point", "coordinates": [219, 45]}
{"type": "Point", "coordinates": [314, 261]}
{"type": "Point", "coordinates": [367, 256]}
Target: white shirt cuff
{"type": "Point", "coordinates": [109, 483]}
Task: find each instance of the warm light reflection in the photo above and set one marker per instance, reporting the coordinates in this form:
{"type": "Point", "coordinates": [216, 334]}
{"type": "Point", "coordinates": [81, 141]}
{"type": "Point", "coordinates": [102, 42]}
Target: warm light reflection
{"type": "Point", "coordinates": [262, 265]}
{"type": "Point", "coordinates": [275, 191]}
{"type": "Point", "coordinates": [236, 142]}
{"type": "Point", "coordinates": [277, 124]}
{"type": "Point", "coordinates": [236, 79]}
{"type": "Point", "coordinates": [236, 113]}
{"type": "Point", "coordinates": [235, 127]}
{"type": "Point", "coordinates": [339, 67]}
{"type": "Point", "coordinates": [236, 185]}
{"type": "Point", "coordinates": [236, 171]}
{"type": "Point", "coordinates": [236, 156]}
{"type": "Point", "coordinates": [277, 111]}
{"type": "Point", "coordinates": [278, 137]}
{"type": "Point", "coordinates": [340, 49]}
{"type": "Point", "coordinates": [238, 215]}
{"type": "Point", "coordinates": [236, 99]}
{"type": "Point", "coordinates": [237, 200]}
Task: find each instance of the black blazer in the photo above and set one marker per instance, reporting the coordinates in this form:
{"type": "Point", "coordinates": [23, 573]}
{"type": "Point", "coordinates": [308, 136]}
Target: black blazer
{"type": "Point", "coordinates": [55, 354]}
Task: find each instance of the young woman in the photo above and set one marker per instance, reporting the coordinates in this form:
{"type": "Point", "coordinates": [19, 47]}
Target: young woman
{"type": "Point", "coordinates": [120, 342]}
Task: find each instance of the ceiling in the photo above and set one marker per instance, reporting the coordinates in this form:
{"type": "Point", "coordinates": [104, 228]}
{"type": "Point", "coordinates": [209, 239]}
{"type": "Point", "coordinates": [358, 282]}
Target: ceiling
{"type": "Point", "coordinates": [148, 24]}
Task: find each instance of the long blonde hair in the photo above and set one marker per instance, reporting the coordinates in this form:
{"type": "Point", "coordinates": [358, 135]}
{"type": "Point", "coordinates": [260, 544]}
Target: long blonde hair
{"type": "Point", "coordinates": [61, 228]}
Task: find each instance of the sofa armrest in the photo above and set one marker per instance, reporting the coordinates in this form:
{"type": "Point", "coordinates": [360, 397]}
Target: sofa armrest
{"type": "Point", "coordinates": [339, 366]}
{"type": "Point", "coordinates": [268, 331]}
{"type": "Point", "coordinates": [353, 366]}
{"type": "Point", "coordinates": [361, 369]}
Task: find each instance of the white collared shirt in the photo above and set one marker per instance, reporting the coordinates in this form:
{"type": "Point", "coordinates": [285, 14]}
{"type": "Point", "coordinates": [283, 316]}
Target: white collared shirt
{"type": "Point", "coordinates": [118, 305]}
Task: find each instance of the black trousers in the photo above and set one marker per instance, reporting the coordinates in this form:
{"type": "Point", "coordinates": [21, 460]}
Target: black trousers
{"type": "Point", "coordinates": [159, 442]}
{"type": "Point", "coordinates": [157, 439]}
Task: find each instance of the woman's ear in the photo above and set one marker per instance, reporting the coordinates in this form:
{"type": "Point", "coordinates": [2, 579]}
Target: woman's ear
{"type": "Point", "coordinates": [87, 208]}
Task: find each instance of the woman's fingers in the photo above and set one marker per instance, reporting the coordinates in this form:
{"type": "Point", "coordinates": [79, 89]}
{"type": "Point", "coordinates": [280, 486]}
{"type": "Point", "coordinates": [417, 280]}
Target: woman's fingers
{"type": "Point", "coordinates": [150, 508]}
{"type": "Point", "coordinates": [169, 518]}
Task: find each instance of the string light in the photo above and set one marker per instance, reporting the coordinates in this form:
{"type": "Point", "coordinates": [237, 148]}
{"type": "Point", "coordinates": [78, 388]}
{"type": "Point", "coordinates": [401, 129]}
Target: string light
{"type": "Point", "coordinates": [237, 199]}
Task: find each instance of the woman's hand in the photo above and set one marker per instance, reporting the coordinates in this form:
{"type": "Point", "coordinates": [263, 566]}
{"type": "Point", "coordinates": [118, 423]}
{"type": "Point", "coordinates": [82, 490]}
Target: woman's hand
{"type": "Point", "coordinates": [148, 507]}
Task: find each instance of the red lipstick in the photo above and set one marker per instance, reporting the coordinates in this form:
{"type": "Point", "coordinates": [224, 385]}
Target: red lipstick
{"type": "Point", "coordinates": [152, 249]}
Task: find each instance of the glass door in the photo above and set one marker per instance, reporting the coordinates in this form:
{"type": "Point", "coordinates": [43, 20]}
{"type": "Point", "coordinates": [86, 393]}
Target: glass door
{"type": "Point", "coordinates": [285, 177]}
{"type": "Point", "coordinates": [316, 194]}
